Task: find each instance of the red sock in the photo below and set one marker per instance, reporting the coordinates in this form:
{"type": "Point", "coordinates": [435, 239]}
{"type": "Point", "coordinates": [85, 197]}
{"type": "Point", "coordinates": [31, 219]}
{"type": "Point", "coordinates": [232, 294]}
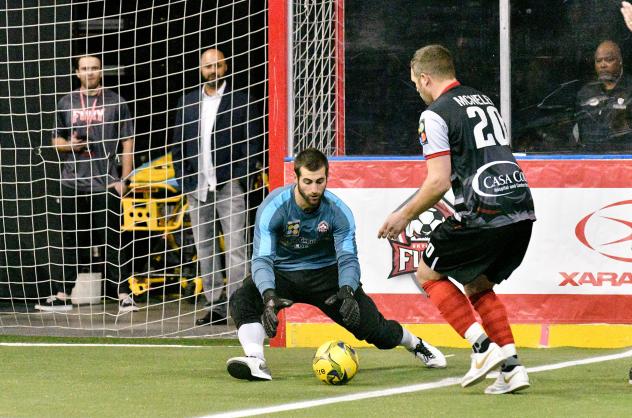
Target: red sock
{"type": "Point", "coordinates": [452, 304]}
{"type": "Point", "coordinates": [494, 317]}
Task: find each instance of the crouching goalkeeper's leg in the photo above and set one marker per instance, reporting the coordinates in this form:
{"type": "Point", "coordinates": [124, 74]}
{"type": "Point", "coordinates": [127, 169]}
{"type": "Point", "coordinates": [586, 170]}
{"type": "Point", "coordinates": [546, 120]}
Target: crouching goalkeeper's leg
{"type": "Point", "coordinates": [385, 334]}
{"type": "Point", "coordinates": [246, 308]}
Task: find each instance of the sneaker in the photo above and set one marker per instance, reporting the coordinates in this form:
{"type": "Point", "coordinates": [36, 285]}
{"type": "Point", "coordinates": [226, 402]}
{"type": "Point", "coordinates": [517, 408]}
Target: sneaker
{"type": "Point", "coordinates": [127, 305]}
{"type": "Point", "coordinates": [54, 304]}
{"type": "Point", "coordinates": [483, 363]}
{"type": "Point", "coordinates": [509, 382]}
{"type": "Point", "coordinates": [248, 368]}
{"type": "Point", "coordinates": [431, 356]}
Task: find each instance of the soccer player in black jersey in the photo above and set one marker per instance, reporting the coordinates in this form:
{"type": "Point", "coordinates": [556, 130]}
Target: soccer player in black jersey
{"type": "Point", "coordinates": [465, 144]}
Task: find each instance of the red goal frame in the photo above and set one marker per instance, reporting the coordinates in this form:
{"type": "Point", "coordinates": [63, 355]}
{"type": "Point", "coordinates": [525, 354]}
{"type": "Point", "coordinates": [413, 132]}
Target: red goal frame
{"type": "Point", "coordinates": [278, 88]}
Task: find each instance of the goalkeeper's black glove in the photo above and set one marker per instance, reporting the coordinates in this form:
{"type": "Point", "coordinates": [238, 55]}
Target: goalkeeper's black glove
{"type": "Point", "coordinates": [349, 308]}
{"type": "Point", "coordinates": [272, 304]}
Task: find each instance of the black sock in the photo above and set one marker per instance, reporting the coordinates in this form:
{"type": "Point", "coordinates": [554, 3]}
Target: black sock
{"type": "Point", "coordinates": [510, 363]}
{"type": "Point", "coordinates": [482, 344]}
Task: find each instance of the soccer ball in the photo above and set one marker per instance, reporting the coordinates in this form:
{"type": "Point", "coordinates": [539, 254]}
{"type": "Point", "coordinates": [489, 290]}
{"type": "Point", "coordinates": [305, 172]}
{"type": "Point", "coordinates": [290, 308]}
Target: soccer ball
{"type": "Point", "coordinates": [335, 363]}
{"type": "Point", "coordinates": [429, 220]}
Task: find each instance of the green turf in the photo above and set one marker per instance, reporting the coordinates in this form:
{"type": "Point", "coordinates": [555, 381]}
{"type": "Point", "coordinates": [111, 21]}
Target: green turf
{"type": "Point", "coordinates": [176, 382]}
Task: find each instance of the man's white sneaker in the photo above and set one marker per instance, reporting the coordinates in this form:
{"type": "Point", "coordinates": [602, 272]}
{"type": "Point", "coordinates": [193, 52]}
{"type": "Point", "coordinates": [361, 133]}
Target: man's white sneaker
{"type": "Point", "coordinates": [431, 356]}
{"type": "Point", "coordinates": [509, 382]}
{"type": "Point", "coordinates": [483, 363]}
{"type": "Point", "coordinates": [127, 305]}
{"type": "Point", "coordinates": [248, 368]}
{"type": "Point", "coordinates": [54, 304]}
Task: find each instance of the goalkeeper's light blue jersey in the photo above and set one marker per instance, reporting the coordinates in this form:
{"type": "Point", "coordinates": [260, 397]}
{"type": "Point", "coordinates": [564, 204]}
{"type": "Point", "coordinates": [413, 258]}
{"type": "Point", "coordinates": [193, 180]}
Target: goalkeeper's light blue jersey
{"type": "Point", "coordinates": [289, 239]}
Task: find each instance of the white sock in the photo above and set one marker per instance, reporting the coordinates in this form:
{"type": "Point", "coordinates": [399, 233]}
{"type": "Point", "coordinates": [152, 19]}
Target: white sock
{"type": "Point", "coordinates": [409, 340]}
{"type": "Point", "coordinates": [473, 333]}
{"type": "Point", "coordinates": [251, 337]}
{"type": "Point", "coordinates": [509, 350]}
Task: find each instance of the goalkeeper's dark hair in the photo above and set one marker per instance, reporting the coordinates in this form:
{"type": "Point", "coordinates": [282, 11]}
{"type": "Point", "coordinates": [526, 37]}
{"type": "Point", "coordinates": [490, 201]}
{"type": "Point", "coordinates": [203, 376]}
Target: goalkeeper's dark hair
{"type": "Point", "coordinates": [312, 159]}
{"type": "Point", "coordinates": [435, 60]}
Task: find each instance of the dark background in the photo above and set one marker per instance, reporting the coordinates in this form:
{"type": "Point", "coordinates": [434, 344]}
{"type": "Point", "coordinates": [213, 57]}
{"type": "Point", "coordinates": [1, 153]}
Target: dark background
{"type": "Point", "coordinates": [382, 106]}
{"type": "Point", "coordinates": [552, 42]}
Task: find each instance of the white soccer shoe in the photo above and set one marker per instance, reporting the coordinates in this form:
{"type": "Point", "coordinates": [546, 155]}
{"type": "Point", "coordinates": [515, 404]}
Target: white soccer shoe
{"type": "Point", "coordinates": [248, 368]}
{"type": "Point", "coordinates": [509, 382]}
{"type": "Point", "coordinates": [483, 363]}
{"type": "Point", "coordinates": [431, 356]}
{"type": "Point", "coordinates": [127, 305]}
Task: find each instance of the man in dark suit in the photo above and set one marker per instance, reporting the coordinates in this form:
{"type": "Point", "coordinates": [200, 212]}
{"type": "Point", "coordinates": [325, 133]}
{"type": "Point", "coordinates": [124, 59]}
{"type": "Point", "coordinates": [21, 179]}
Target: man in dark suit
{"type": "Point", "coordinates": [217, 142]}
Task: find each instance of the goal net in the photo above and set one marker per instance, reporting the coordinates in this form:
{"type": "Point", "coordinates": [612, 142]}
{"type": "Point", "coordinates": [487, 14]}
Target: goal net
{"type": "Point", "coordinates": [177, 241]}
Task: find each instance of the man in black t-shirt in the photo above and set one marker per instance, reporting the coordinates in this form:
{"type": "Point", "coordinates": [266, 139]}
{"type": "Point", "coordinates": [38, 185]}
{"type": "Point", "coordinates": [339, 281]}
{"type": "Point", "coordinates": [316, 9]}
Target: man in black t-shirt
{"type": "Point", "coordinates": [604, 106]}
{"type": "Point", "coordinates": [91, 123]}
{"type": "Point", "coordinates": [465, 144]}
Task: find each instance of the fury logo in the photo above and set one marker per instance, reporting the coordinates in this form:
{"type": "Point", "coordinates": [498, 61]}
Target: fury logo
{"type": "Point", "coordinates": [408, 248]}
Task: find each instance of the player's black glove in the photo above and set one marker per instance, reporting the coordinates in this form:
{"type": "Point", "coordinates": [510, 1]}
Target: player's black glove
{"type": "Point", "coordinates": [272, 305]}
{"type": "Point", "coordinates": [349, 308]}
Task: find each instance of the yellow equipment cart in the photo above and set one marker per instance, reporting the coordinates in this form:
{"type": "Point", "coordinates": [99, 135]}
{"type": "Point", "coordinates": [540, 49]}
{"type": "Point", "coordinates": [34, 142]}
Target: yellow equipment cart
{"type": "Point", "coordinates": [154, 204]}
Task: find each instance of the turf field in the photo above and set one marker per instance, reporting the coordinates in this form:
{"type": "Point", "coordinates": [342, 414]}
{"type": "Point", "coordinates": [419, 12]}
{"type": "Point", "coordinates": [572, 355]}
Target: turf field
{"type": "Point", "coordinates": [189, 379]}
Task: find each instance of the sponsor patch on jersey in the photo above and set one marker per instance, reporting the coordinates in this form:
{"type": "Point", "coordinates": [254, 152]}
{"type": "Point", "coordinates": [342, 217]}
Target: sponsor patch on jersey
{"type": "Point", "coordinates": [293, 228]}
{"type": "Point", "coordinates": [322, 227]}
{"type": "Point", "coordinates": [499, 178]}
{"type": "Point", "coordinates": [423, 138]}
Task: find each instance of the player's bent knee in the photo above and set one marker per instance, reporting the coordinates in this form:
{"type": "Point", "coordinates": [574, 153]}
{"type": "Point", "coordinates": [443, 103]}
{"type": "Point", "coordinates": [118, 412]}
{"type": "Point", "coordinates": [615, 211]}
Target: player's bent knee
{"type": "Point", "coordinates": [478, 285]}
{"type": "Point", "coordinates": [425, 274]}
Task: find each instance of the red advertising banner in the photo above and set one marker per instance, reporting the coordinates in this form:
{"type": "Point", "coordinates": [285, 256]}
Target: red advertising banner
{"type": "Point", "coordinates": [578, 268]}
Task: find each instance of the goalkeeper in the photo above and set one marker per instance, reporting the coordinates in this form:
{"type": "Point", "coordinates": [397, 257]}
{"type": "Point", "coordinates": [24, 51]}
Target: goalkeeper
{"type": "Point", "coordinates": [305, 251]}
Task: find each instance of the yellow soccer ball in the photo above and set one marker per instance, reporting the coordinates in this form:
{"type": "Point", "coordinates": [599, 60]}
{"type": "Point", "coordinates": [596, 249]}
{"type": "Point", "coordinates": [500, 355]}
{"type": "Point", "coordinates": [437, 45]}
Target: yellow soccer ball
{"type": "Point", "coordinates": [335, 363]}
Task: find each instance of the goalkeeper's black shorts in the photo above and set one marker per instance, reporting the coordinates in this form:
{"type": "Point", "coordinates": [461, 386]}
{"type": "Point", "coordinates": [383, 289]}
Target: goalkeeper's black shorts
{"type": "Point", "coordinates": [313, 287]}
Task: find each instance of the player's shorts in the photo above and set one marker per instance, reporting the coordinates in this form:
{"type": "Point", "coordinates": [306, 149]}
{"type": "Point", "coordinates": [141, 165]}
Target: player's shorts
{"type": "Point", "coordinates": [464, 254]}
{"type": "Point", "coordinates": [313, 287]}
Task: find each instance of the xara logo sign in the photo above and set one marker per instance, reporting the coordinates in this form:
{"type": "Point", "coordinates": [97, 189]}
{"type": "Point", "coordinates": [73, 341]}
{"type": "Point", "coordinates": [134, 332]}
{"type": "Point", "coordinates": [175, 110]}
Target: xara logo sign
{"type": "Point", "coordinates": [608, 231]}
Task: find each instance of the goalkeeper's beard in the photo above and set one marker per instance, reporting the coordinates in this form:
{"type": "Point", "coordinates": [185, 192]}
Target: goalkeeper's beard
{"type": "Point", "coordinates": [312, 201]}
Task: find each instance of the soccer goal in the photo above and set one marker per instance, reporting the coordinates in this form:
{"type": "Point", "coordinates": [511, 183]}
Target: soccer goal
{"type": "Point", "coordinates": [59, 196]}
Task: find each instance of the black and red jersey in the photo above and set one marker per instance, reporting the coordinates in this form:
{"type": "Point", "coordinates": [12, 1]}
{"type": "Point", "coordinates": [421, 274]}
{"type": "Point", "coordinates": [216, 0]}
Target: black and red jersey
{"type": "Point", "coordinates": [490, 189]}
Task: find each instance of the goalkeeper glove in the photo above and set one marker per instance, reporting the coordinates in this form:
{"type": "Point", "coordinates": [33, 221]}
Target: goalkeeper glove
{"type": "Point", "coordinates": [272, 304]}
{"type": "Point", "coordinates": [349, 308]}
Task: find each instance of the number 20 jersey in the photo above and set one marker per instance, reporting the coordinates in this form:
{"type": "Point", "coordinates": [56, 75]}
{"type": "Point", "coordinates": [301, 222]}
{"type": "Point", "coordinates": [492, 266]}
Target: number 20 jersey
{"type": "Point", "coordinates": [490, 189]}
